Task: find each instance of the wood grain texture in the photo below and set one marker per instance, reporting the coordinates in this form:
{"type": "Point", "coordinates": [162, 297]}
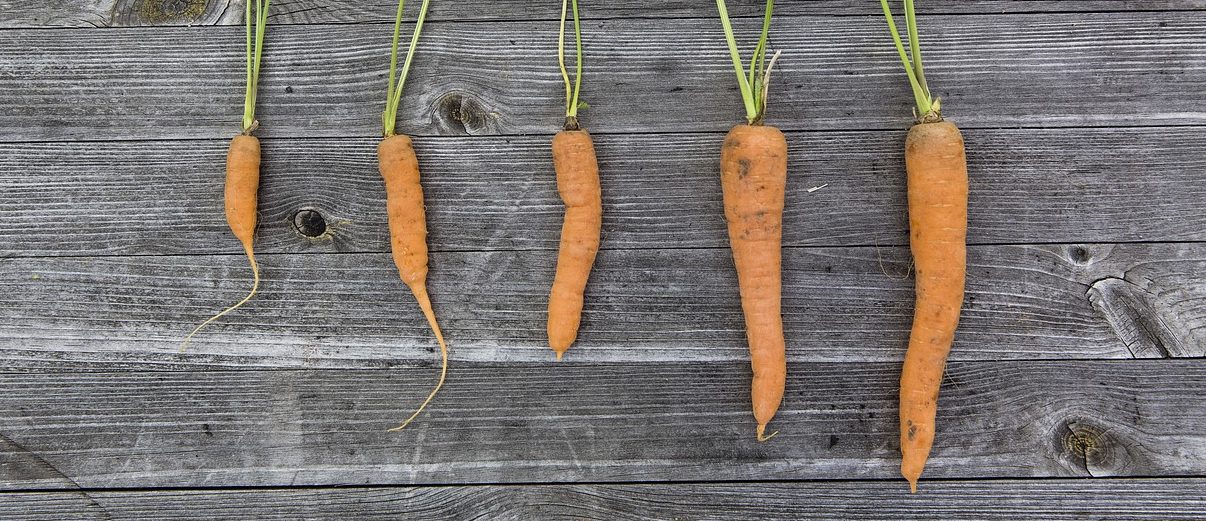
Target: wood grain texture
{"type": "Point", "coordinates": [844, 304]}
{"type": "Point", "coordinates": [549, 422]}
{"type": "Point", "coordinates": [118, 13]}
{"type": "Point", "coordinates": [1051, 500]}
{"type": "Point", "coordinates": [485, 194]}
{"type": "Point", "coordinates": [644, 76]}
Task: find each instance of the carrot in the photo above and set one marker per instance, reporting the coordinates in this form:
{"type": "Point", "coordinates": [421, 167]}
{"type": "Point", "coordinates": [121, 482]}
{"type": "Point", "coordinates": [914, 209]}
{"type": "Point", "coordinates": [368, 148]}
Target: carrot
{"type": "Point", "coordinates": [578, 183]}
{"type": "Point", "coordinates": [753, 173]}
{"type": "Point", "coordinates": [404, 200]}
{"type": "Point", "coordinates": [243, 163]}
{"type": "Point", "coordinates": [937, 190]}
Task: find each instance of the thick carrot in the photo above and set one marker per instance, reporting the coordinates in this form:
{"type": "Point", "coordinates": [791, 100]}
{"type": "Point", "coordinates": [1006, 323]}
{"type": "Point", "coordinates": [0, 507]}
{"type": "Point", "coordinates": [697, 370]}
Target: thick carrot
{"type": "Point", "coordinates": [408, 235]}
{"type": "Point", "coordinates": [243, 161]}
{"type": "Point", "coordinates": [753, 176]}
{"type": "Point", "coordinates": [937, 185]}
{"type": "Point", "coordinates": [753, 166]}
{"type": "Point", "coordinates": [404, 197]}
{"type": "Point", "coordinates": [578, 184]}
{"type": "Point", "coordinates": [937, 170]}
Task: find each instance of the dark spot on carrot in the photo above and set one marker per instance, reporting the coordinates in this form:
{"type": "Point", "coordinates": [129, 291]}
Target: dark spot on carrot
{"type": "Point", "coordinates": [912, 431]}
{"type": "Point", "coordinates": [309, 223]}
{"type": "Point", "coordinates": [744, 168]}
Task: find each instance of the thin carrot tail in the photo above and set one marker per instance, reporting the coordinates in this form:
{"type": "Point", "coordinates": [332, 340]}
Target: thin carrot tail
{"type": "Point", "coordinates": [255, 286]}
{"type": "Point", "coordinates": [420, 291]}
{"type": "Point", "coordinates": [762, 431]}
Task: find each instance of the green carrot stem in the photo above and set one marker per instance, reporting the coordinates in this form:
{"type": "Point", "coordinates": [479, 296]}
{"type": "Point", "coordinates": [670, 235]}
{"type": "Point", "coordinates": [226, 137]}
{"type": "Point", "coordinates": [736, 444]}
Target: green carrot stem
{"type": "Point", "coordinates": [747, 93]}
{"type": "Point", "coordinates": [393, 56]}
{"type": "Point", "coordinates": [758, 60]}
{"type": "Point", "coordinates": [569, 94]}
{"type": "Point", "coordinates": [925, 105]}
{"type": "Point", "coordinates": [390, 116]}
{"type": "Point", "coordinates": [571, 91]}
{"type": "Point", "coordinates": [573, 110]}
{"type": "Point", "coordinates": [254, 56]}
{"type": "Point", "coordinates": [915, 45]}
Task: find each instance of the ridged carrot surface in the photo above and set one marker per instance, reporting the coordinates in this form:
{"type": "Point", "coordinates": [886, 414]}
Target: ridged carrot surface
{"type": "Point", "coordinates": [937, 185]}
{"type": "Point", "coordinates": [408, 234]}
{"type": "Point", "coordinates": [753, 166]}
{"type": "Point", "coordinates": [578, 183]}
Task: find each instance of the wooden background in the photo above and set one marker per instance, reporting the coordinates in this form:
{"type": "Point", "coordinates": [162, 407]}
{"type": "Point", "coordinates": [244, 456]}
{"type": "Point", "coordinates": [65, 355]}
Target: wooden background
{"type": "Point", "coordinates": [1076, 388]}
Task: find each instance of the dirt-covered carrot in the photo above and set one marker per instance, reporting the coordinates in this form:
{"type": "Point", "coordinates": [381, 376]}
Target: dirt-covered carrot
{"type": "Point", "coordinates": [404, 198]}
{"type": "Point", "coordinates": [243, 161]}
{"type": "Point", "coordinates": [753, 172]}
{"type": "Point", "coordinates": [578, 183]}
{"type": "Point", "coordinates": [937, 186]}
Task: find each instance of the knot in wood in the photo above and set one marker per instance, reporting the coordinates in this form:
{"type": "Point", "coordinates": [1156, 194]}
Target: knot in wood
{"type": "Point", "coordinates": [159, 11]}
{"type": "Point", "coordinates": [1079, 255]}
{"type": "Point", "coordinates": [309, 223]}
{"type": "Point", "coordinates": [1091, 446]}
{"type": "Point", "coordinates": [462, 113]}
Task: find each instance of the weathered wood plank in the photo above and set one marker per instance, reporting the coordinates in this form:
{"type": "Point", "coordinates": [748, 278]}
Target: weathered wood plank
{"type": "Point", "coordinates": [111, 13]}
{"type": "Point", "coordinates": [1013, 500]}
{"type": "Point", "coordinates": [549, 422]}
{"type": "Point", "coordinates": [645, 76]}
{"type": "Point", "coordinates": [849, 304]}
{"type": "Point", "coordinates": [138, 198]}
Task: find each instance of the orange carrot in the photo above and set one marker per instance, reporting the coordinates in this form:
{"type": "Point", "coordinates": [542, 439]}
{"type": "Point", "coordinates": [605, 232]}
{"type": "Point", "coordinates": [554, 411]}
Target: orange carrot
{"type": "Point", "coordinates": [937, 170]}
{"type": "Point", "coordinates": [578, 183]}
{"type": "Point", "coordinates": [753, 166]}
{"type": "Point", "coordinates": [753, 175]}
{"type": "Point", "coordinates": [404, 198]}
{"type": "Point", "coordinates": [243, 162]}
{"type": "Point", "coordinates": [937, 186]}
{"type": "Point", "coordinates": [408, 235]}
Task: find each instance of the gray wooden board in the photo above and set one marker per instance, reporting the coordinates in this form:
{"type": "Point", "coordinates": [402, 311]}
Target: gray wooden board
{"type": "Point", "coordinates": [1079, 354]}
{"type": "Point", "coordinates": [645, 76]}
{"type": "Point", "coordinates": [843, 304]}
{"type": "Point", "coordinates": [1007, 500]}
{"type": "Point", "coordinates": [109, 13]}
{"type": "Point", "coordinates": [550, 422]}
{"type": "Point", "coordinates": [165, 197]}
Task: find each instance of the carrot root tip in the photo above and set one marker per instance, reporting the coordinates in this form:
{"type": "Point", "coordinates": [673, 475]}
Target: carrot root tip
{"type": "Point", "coordinates": [762, 431]}
{"type": "Point", "coordinates": [559, 355]}
{"type": "Point", "coordinates": [255, 286]}
{"type": "Point", "coordinates": [420, 292]}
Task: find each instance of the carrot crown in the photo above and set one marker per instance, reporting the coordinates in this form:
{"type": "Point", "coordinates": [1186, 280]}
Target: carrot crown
{"type": "Point", "coordinates": [571, 93]}
{"type": "Point", "coordinates": [254, 53]}
{"type": "Point", "coordinates": [928, 108]}
{"type": "Point", "coordinates": [754, 83]}
{"type": "Point", "coordinates": [393, 95]}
